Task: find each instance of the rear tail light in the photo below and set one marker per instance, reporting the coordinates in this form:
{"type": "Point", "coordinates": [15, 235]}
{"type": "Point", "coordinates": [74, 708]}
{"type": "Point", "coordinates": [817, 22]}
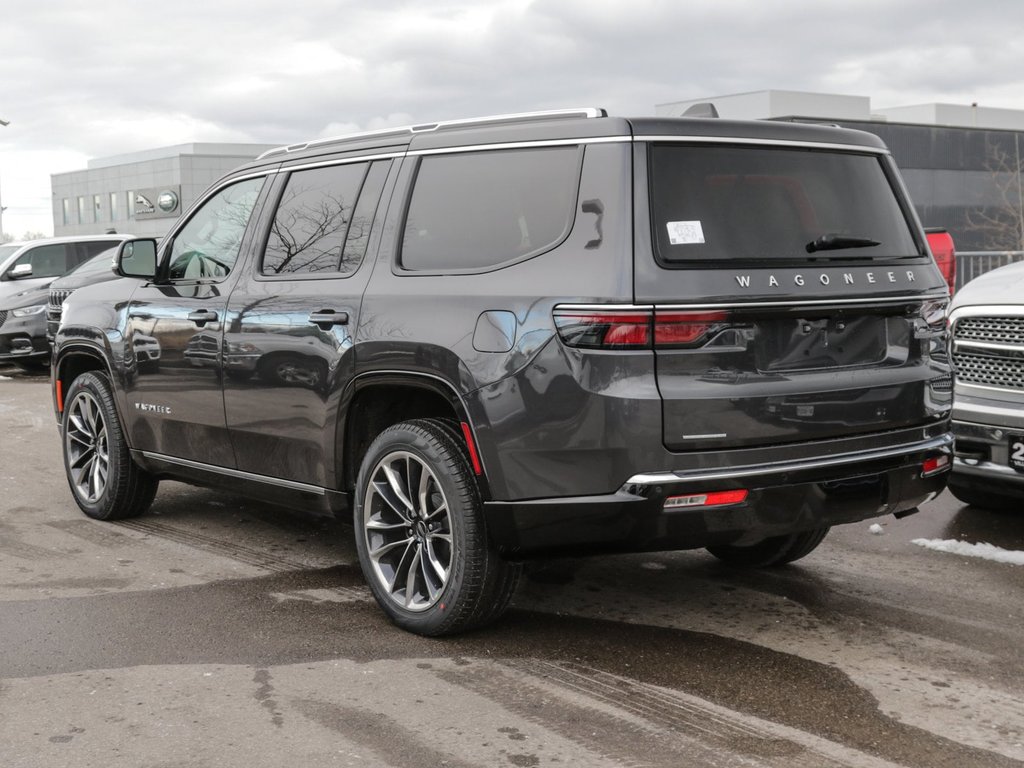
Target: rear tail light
{"type": "Point", "coordinates": [941, 244]}
{"type": "Point", "coordinates": [687, 329]}
{"type": "Point", "coordinates": [637, 329]}
{"type": "Point", "coordinates": [605, 329]}
{"type": "Point", "coordinates": [712, 499]}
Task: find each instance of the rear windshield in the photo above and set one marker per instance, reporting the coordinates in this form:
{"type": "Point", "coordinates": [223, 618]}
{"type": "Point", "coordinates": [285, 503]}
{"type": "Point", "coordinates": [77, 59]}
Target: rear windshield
{"type": "Point", "coordinates": [766, 203]}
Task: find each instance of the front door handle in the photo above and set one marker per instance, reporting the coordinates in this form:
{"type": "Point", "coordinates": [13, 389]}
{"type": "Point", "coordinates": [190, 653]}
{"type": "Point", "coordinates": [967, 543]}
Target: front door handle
{"type": "Point", "coordinates": [326, 318]}
{"type": "Point", "coordinates": [202, 316]}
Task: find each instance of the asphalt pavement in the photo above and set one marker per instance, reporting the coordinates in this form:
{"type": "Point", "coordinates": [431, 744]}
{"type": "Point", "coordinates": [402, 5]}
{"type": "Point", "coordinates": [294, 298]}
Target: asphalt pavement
{"type": "Point", "coordinates": [218, 631]}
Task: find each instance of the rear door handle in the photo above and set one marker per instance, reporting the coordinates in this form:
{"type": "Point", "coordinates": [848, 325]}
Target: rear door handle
{"type": "Point", "coordinates": [202, 316]}
{"type": "Point", "coordinates": [326, 318]}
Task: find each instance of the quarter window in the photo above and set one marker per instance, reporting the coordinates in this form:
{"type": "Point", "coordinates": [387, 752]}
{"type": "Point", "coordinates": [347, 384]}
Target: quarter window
{"type": "Point", "coordinates": [477, 210]}
{"type": "Point", "coordinates": [207, 246]}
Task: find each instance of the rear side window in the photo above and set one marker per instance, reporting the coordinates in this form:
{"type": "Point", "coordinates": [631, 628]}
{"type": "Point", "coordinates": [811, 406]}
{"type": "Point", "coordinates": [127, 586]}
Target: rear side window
{"type": "Point", "coordinates": [313, 220]}
{"type": "Point", "coordinates": [766, 203]}
{"type": "Point", "coordinates": [475, 210]}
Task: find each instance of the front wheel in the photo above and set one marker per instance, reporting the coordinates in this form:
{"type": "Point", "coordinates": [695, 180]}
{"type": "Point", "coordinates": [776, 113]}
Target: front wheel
{"type": "Point", "coordinates": [420, 533]}
{"type": "Point", "coordinates": [106, 483]}
{"type": "Point", "coordinates": [777, 550]}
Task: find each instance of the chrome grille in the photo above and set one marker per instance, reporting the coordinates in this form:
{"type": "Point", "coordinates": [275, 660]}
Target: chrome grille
{"type": "Point", "coordinates": [3, 316]}
{"type": "Point", "coordinates": [989, 351]}
{"type": "Point", "coordinates": [57, 296]}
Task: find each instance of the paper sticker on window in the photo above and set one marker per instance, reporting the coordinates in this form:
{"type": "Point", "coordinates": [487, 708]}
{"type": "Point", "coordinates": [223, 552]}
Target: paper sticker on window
{"type": "Point", "coordinates": [685, 232]}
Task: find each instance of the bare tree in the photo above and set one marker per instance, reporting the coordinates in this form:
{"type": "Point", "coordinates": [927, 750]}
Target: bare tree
{"type": "Point", "coordinates": [1000, 224]}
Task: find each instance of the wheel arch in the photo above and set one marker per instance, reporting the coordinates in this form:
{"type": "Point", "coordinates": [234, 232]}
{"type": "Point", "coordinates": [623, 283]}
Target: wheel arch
{"type": "Point", "coordinates": [72, 362]}
{"type": "Point", "coordinates": [379, 400]}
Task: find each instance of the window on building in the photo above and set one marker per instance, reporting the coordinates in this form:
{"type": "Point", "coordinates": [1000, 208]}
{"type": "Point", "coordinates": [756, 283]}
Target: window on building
{"type": "Point", "coordinates": [65, 211]}
{"type": "Point", "coordinates": [97, 208]}
{"type": "Point", "coordinates": [113, 206]}
{"type": "Point", "coordinates": [82, 211]}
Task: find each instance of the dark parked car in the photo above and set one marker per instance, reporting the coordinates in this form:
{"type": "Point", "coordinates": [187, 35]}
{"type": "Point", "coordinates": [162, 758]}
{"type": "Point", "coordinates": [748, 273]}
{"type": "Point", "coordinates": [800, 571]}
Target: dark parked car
{"type": "Point", "coordinates": [987, 322]}
{"type": "Point", "coordinates": [515, 337]}
{"type": "Point", "coordinates": [98, 269]}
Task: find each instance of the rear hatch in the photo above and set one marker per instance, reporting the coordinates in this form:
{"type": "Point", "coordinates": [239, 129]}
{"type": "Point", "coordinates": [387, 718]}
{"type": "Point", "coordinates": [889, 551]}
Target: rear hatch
{"type": "Point", "coordinates": [793, 297]}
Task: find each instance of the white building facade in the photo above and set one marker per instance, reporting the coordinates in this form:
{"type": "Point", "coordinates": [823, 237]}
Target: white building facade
{"type": "Point", "coordinates": [141, 193]}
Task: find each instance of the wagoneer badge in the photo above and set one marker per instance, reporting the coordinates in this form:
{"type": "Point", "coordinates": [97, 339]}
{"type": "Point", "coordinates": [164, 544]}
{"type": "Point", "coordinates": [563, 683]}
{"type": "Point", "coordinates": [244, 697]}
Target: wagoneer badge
{"type": "Point", "coordinates": [871, 277]}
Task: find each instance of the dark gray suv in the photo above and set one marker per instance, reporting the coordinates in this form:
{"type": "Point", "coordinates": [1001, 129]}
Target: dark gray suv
{"type": "Point", "coordinates": [531, 335]}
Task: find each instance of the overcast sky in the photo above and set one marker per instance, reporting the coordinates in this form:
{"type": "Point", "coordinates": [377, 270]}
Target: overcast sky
{"type": "Point", "coordinates": [84, 80]}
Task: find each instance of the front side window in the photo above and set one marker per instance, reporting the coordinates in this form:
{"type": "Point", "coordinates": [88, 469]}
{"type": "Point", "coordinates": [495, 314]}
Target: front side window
{"type": "Point", "coordinates": [476, 210]}
{"type": "Point", "coordinates": [46, 260]}
{"type": "Point", "coordinates": [312, 220]}
{"type": "Point", "coordinates": [208, 245]}
{"type": "Point", "coordinates": [761, 203]}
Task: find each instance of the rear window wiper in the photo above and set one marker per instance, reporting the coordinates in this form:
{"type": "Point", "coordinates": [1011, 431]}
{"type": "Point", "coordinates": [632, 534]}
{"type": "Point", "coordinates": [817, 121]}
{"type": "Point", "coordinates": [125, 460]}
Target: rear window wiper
{"type": "Point", "coordinates": [834, 242]}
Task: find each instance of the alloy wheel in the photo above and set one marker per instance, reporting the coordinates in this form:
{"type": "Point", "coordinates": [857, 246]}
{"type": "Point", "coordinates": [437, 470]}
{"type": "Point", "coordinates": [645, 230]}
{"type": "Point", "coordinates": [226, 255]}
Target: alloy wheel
{"type": "Point", "coordinates": [87, 449]}
{"type": "Point", "coordinates": [407, 529]}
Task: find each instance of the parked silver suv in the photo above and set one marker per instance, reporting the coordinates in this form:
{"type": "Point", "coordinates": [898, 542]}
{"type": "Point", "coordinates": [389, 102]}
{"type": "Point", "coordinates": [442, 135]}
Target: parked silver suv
{"type": "Point", "coordinates": [987, 324]}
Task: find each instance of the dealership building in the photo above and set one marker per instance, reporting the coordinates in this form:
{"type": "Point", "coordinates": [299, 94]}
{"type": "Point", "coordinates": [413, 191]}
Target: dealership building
{"type": "Point", "coordinates": [141, 193]}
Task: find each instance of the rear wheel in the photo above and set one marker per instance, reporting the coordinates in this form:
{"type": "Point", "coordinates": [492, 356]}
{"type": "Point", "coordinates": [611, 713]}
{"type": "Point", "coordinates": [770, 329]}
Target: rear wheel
{"type": "Point", "coordinates": [420, 533]}
{"type": "Point", "coordinates": [986, 499]}
{"type": "Point", "coordinates": [106, 483]}
{"type": "Point", "coordinates": [778, 550]}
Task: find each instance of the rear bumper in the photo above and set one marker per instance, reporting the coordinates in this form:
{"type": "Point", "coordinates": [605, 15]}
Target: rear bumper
{"type": "Point", "coordinates": [782, 498]}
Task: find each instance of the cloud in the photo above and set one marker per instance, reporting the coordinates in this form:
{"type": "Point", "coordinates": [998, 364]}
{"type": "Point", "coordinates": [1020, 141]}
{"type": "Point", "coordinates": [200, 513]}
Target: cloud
{"type": "Point", "coordinates": [110, 77]}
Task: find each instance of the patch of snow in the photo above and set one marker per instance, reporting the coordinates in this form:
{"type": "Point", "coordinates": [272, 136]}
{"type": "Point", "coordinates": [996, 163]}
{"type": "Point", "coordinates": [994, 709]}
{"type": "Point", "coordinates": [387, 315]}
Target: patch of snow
{"type": "Point", "coordinates": [5, 378]}
{"type": "Point", "coordinates": [651, 566]}
{"type": "Point", "coordinates": [876, 529]}
{"type": "Point", "coordinates": [967, 549]}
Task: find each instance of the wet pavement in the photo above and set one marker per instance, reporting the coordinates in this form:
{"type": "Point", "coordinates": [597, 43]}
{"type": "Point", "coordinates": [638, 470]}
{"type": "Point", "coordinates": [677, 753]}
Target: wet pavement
{"type": "Point", "coordinates": [216, 631]}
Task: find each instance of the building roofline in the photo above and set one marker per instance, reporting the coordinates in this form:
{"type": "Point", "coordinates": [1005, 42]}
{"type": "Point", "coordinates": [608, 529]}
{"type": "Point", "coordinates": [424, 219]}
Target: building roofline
{"type": "Point", "coordinates": [221, 149]}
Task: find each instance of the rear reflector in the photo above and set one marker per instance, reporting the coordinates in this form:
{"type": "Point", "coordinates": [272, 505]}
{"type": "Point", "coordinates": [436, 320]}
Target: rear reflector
{"type": "Point", "coordinates": [934, 466]}
{"type": "Point", "coordinates": [474, 457]}
{"type": "Point", "coordinates": [713, 499]}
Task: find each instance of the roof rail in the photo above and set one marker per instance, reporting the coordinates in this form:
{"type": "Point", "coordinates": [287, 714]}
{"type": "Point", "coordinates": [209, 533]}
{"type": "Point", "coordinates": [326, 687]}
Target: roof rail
{"type": "Point", "coordinates": [475, 122]}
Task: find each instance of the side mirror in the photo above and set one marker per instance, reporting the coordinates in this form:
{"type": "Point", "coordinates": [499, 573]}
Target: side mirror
{"type": "Point", "coordinates": [20, 271]}
{"type": "Point", "coordinates": [136, 258]}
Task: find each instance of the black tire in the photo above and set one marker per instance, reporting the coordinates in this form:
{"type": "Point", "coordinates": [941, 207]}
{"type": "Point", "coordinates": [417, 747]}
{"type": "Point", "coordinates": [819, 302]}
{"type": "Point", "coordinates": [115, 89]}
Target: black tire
{"type": "Point", "coordinates": [426, 555]}
{"type": "Point", "coordinates": [105, 482]}
{"type": "Point", "coordinates": [778, 550]}
{"type": "Point", "coordinates": [984, 499]}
